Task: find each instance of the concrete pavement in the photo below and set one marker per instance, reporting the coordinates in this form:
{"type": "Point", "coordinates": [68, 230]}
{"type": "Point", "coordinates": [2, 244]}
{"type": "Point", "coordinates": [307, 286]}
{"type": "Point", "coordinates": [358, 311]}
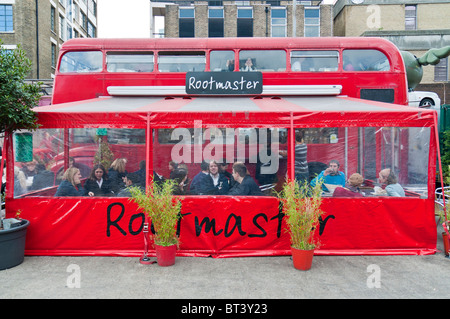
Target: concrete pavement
{"type": "Point", "coordinates": [230, 278]}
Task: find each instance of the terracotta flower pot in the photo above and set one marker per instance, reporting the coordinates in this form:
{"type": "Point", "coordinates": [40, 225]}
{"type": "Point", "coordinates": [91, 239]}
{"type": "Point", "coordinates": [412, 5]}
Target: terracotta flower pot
{"type": "Point", "coordinates": [165, 255]}
{"type": "Point", "coordinates": [302, 258]}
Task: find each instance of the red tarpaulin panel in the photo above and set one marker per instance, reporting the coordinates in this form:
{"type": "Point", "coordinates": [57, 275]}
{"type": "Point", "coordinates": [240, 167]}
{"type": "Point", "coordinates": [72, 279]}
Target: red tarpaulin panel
{"type": "Point", "coordinates": [225, 226]}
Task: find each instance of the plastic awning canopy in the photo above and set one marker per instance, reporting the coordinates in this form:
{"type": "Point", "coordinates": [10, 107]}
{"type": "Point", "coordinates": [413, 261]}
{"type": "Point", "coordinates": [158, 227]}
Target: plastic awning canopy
{"type": "Point", "coordinates": [312, 111]}
{"type": "Point", "coordinates": [223, 226]}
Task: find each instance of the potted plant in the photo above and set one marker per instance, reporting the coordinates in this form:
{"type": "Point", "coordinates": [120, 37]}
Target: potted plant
{"type": "Point", "coordinates": [301, 206]}
{"type": "Point", "coordinates": [17, 100]}
{"type": "Point", "coordinates": [163, 209]}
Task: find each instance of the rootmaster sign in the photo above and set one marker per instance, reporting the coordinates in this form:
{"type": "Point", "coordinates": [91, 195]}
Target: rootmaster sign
{"type": "Point", "coordinates": [217, 83]}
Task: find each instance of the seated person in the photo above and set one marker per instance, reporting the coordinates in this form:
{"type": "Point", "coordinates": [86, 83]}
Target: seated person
{"type": "Point", "coordinates": [172, 166]}
{"type": "Point", "coordinates": [141, 173]}
{"type": "Point", "coordinates": [393, 188]}
{"type": "Point", "coordinates": [179, 175]}
{"type": "Point", "coordinates": [331, 175]}
{"type": "Point", "coordinates": [132, 179]}
{"type": "Point", "coordinates": [245, 184]}
{"type": "Point", "coordinates": [98, 183]}
{"type": "Point", "coordinates": [223, 170]}
{"type": "Point", "coordinates": [248, 66]}
{"type": "Point", "coordinates": [220, 182]}
{"type": "Point", "coordinates": [30, 169]}
{"type": "Point", "coordinates": [351, 189]}
{"type": "Point", "coordinates": [202, 183]}
{"type": "Point", "coordinates": [71, 184]}
{"type": "Point", "coordinates": [230, 66]}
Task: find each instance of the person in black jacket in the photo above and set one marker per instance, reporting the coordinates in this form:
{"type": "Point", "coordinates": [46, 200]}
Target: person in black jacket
{"type": "Point", "coordinates": [98, 183]}
{"type": "Point", "coordinates": [245, 184]}
{"type": "Point", "coordinates": [221, 183]}
{"type": "Point", "coordinates": [116, 173]}
{"type": "Point", "coordinates": [202, 183]}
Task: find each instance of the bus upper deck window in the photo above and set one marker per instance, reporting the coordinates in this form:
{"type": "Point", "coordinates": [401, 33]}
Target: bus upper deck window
{"type": "Point", "coordinates": [221, 61]}
{"type": "Point", "coordinates": [262, 60]}
{"type": "Point", "coordinates": [365, 60]}
{"type": "Point", "coordinates": [81, 62]}
{"type": "Point", "coordinates": [129, 61]}
{"type": "Point", "coordinates": [314, 61]}
{"type": "Point", "coordinates": [181, 61]}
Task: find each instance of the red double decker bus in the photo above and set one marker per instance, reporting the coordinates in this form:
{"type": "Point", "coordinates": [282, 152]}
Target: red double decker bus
{"type": "Point", "coordinates": [367, 68]}
{"type": "Point", "coordinates": [238, 100]}
{"type": "Point", "coordinates": [370, 69]}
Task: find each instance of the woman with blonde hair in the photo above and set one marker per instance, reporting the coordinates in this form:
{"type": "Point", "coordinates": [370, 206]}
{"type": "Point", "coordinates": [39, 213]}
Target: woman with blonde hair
{"type": "Point", "coordinates": [351, 189]}
{"type": "Point", "coordinates": [71, 184]}
{"type": "Point", "coordinates": [117, 172]}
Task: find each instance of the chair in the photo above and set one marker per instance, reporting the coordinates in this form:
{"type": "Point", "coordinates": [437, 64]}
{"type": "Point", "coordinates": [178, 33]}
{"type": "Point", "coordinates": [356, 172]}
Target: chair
{"type": "Point", "coordinates": [267, 189]}
{"type": "Point", "coordinates": [441, 194]}
{"type": "Point", "coordinates": [315, 168]}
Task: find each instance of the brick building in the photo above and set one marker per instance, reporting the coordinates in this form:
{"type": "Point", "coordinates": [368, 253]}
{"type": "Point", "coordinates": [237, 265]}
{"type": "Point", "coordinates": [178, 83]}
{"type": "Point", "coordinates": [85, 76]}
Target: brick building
{"type": "Point", "coordinates": [41, 26]}
{"type": "Point", "coordinates": [244, 18]}
{"type": "Point", "coordinates": [412, 25]}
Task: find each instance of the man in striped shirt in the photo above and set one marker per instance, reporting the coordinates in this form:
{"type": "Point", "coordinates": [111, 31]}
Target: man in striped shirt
{"type": "Point", "coordinates": [301, 163]}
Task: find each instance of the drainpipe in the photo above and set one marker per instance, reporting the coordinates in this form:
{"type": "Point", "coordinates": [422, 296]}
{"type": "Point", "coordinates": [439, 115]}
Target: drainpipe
{"type": "Point", "coordinates": [37, 39]}
{"type": "Point", "coordinates": [267, 21]}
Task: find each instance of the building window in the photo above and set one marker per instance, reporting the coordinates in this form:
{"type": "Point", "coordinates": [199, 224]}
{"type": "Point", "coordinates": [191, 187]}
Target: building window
{"type": "Point", "coordinates": [61, 27]}
{"type": "Point", "coordinates": [245, 22]}
{"type": "Point", "coordinates": [91, 30]}
{"type": "Point", "coordinates": [69, 32]}
{"type": "Point", "coordinates": [53, 55]}
{"type": "Point", "coordinates": [92, 7]}
{"type": "Point", "coordinates": [83, 21]}
{"type": "Point", "coordinates": [6, 18]}
{"type": "Point", "coordinates": [410, 18]}
{"type": "Point", "coordinates": [441, 71]}
{"type": "Point", "coordinates": [52, 18]}
{"type": "Point", "coordinates": [186, 22]}
{"type": "Point", "coordinates": [278, 16]}
{"type": "Point", "coordinates": [215, 23]}
{"type": "Point", "coordinates": [312, 22]}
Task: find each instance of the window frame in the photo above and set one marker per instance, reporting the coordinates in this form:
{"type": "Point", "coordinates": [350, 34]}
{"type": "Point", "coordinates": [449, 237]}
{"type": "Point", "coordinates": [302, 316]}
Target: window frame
{"type": "Point", "coordinates": [7, 17]}
{"type": "Point", "coordinates": [276, 26]}
{"type": "Point", "coordinates": [311, 25]}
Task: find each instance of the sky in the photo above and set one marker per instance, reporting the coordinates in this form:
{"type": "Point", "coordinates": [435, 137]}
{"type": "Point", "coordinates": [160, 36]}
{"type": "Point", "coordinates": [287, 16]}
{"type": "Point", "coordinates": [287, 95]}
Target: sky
{"type": "Point", "coordinates": [123, 19]}
{"type": "Point", "coordinates": [126, 19]}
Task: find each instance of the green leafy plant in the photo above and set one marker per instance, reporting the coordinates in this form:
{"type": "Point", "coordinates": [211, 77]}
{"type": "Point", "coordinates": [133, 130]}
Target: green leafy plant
{"type": "Point", "coordinates": [104, 155]}
{"type": "Point", "coordinates": [162, 208]}
{"type": "Point", "coordinates": [301, 205]}
{"type": "Point", "coordinates": [445, 158]}
{"type": "Point", "coordinates": [17, 98]}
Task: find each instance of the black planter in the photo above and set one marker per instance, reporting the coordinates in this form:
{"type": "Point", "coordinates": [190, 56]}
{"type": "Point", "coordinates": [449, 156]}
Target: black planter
{"type": "Point", "coordinates": [12, 245]}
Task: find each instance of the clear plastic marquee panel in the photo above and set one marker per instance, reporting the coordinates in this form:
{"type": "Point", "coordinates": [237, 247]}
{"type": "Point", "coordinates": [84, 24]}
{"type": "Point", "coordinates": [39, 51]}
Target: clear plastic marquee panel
{"type": "Point", "coordinates": [158, 137]}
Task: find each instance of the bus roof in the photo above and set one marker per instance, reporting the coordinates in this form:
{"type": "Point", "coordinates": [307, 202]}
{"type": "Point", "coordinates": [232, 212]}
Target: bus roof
{"type": "Point", "coordinates": [227, 43]}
